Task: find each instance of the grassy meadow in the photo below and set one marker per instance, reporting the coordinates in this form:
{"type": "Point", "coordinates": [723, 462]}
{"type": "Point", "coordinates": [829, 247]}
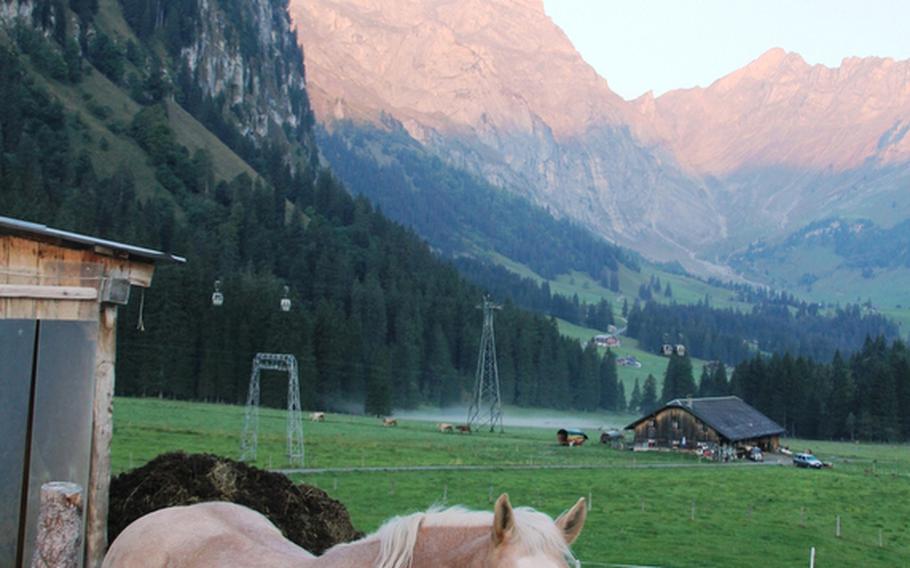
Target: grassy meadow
{"type": "Point", "coordinates": [642, 503]}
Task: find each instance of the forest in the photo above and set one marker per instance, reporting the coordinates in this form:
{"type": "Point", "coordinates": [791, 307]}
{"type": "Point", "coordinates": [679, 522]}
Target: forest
{"type": "Point", "coordinates": [732, 336]}
{"type": "Point", "coordinates": [377, 319]}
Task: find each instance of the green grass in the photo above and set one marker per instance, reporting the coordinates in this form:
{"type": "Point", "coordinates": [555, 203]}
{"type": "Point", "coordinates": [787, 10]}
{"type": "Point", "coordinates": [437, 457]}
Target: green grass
{"type": "Point", "coordinates": [744, 516]}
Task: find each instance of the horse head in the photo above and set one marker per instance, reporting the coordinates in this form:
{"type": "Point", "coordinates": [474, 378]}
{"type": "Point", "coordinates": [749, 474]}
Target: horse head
{"type": "Point", "coordinates": [524, 538]}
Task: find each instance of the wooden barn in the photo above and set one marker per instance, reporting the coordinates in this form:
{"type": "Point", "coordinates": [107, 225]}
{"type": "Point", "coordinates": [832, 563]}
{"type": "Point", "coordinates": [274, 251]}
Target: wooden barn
{"type": "Point", "coordinates": [723, 423]}
{"type": "Point", "coordinates": [59, 293]}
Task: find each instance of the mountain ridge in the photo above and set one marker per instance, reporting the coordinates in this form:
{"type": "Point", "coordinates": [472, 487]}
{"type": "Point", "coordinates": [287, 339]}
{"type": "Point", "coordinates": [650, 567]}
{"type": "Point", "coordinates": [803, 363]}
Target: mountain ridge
{"type": "Point", "coordinates": [692, 175]}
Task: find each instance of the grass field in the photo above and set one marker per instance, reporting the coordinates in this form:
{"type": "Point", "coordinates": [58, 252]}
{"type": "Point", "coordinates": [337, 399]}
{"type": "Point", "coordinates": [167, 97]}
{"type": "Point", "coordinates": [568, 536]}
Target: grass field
{"type": "Point", "coordinates": [642, 504]}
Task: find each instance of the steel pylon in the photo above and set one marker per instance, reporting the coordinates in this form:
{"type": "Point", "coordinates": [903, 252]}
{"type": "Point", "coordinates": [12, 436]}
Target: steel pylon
{"type": "Point", "coordinates": [486, 402]}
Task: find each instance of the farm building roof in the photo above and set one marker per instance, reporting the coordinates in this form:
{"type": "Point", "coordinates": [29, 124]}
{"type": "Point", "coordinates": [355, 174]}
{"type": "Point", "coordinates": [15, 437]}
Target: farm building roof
{"type": "Point", "coordinates": [9, 225]}
{"type": "Point", "coordinates": [730, 416]}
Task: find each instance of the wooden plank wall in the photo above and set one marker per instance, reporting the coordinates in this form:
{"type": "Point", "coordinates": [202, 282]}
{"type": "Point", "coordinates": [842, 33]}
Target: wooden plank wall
{"type": "Point", "coordinates": [26, 261]}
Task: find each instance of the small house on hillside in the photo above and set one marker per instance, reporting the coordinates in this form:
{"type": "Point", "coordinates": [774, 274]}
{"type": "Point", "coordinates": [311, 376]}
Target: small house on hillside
{"type": "Point", "coordinates": [607, 341]}
{"type": "Point", "coordinates": [724, 423]}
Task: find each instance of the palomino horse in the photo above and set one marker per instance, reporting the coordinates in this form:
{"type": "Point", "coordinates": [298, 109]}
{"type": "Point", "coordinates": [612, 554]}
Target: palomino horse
{"type": "Point", "coordinates": [224, 534]}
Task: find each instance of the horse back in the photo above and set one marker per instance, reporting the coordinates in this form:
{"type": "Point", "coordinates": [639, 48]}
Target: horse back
{"type": "Point", "coordinates": [205, 534]}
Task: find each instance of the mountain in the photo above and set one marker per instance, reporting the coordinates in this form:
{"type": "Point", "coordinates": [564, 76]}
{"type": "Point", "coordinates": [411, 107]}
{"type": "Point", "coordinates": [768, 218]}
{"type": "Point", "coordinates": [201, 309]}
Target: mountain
{"type": "Point", "coordinates": [785, 143]}
{"type": "Point", "coordinates": [496, 89]}
{"type": "Point", "coordinates": [185, 126]}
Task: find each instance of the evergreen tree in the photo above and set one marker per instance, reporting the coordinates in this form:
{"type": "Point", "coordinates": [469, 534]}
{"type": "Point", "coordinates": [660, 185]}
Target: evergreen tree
{"type": "Point", "coordinates": [635, 397]}
{"type": "Point", "coordinates": [609, 384]}
{"type": "Point", "coordinates": [678, 379]}
{"type": "Point", "coordinates": [649, 401]}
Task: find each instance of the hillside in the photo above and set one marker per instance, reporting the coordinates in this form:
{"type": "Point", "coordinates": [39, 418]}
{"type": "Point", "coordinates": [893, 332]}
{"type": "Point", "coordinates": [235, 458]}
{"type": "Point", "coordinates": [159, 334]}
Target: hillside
{"type": "Point", "coordinates": [186, 126]}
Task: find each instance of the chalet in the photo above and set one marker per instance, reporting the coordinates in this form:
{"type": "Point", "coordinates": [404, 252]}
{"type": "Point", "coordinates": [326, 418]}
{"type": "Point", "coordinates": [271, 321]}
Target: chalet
{"type": "Point", "coordinates": [607, 341]}
{"type": "Point", "coordinates": [724, 423]}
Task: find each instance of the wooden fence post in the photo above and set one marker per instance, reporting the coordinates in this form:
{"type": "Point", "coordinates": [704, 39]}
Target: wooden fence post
{"type": "Point", "coordinates": [102, 432]}
{"type": "Point", "coordinates": [59, 540]}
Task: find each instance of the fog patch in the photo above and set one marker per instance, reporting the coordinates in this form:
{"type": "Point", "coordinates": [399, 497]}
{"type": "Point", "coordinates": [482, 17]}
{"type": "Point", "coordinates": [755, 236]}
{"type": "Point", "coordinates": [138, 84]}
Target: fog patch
{"type": "Point", "coordinates": [525, 419]}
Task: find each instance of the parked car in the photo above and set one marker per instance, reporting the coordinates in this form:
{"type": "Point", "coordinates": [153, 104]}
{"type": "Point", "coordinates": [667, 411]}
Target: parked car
{"type": "Point", "coordinates": [755, 454]}
{"type": "Point", "coordinates": [807, 460]}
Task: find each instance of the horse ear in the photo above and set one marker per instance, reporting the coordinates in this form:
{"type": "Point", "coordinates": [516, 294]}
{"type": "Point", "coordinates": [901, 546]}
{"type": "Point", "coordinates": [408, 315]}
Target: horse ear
{"type": "Point", "coordinates": [571, 522]}
{"type": "Point", "coordinates": [503, 519]}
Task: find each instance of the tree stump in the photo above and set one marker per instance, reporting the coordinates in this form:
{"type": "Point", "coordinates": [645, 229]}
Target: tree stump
{"type": "Point", "coordinates": [59, 540]}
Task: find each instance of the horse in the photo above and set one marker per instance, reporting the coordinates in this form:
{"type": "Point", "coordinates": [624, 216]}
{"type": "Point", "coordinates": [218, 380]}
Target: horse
{"type": "Point", "coordinates": [225, 534]}
{"type": "Point", "coordinates": [317, 417]}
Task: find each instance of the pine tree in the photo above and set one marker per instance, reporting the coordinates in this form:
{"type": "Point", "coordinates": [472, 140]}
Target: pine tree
{"type": "Point", "coordinates": [609, 382]}
{"type": "Point", "coordinates": [678, 379]}
{"type": "Point", "coordinates": [635, 397]}
{"type": "Point", "coordinates": [649, 395]}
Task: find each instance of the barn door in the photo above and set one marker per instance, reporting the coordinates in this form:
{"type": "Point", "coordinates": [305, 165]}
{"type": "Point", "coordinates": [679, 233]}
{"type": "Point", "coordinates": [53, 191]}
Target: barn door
{"type": "Point", "coordinates": [17, 354]}
{"type": "Point", "coordinates": [47, 383]}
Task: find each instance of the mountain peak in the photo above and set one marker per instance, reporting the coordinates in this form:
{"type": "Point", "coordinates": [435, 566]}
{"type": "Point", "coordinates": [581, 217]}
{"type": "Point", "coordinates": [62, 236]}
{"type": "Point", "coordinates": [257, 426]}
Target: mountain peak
{"type": "Point", "coordinates": [451, 65]}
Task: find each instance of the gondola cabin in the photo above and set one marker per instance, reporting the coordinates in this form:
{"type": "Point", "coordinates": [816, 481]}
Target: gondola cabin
{"type": "Point", "coordinates": [724, 424]}
{"type": "Point", "coordinates": [59, 294]}
{"type": "Point", "coordinates": [567, 437]}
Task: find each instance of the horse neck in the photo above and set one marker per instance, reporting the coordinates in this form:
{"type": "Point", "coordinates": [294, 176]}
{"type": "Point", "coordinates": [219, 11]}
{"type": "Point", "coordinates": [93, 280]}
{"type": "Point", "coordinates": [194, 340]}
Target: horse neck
{"type": "Point", "coordinates": [436, 547]}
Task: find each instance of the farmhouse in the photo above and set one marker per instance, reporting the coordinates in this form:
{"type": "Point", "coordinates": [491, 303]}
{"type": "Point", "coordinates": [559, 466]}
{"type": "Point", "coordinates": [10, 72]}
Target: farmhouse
{"type": "Point", "coordinates": [59, 294]}
{"type": "Point", "coordinates": [723, 423]}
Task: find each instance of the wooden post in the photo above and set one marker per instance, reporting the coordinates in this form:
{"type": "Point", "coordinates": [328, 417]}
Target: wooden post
{"type": "Point", "coordinates": [59, 539]}
{"type": "Point", "coordinates": [837, 526]}
{"type": "Point", "coordinates": [102, 431]}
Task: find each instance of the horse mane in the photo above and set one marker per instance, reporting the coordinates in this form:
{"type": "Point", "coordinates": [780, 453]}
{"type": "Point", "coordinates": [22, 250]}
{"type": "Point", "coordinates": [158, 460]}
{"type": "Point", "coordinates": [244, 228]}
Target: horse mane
{"type": "Point", "coordinates": [535, 532]}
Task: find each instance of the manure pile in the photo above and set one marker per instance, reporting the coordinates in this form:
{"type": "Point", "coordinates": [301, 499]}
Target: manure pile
{"type": "Point", "coordinates": [305, 514]}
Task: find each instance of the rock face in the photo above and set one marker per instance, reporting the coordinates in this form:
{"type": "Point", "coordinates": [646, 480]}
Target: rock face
{"type": "Point", "coordinates": [252, 61]}
{"type": "Point", "coordinates": [781, 111]}
{"type": "Point", "coordinates": [495, 87]}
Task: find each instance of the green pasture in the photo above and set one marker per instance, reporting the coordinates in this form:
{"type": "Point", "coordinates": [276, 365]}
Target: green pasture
{"type": "Point", "coordinates": [656, 509]}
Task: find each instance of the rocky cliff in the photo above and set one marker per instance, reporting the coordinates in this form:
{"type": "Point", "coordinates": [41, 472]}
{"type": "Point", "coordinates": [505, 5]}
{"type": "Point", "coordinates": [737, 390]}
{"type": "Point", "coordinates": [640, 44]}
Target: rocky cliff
{"type": "Point", "coordinates": [496, 88]}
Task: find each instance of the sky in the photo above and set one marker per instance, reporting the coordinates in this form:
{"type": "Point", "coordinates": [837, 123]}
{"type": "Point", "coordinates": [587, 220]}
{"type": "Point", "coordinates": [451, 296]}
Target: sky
{"type": "Point", "coordinates": [659, 45]}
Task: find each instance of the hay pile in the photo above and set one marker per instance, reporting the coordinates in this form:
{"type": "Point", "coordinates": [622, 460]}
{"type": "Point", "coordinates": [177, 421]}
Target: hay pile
{"type": "Point", "coordinates": [306, 515]}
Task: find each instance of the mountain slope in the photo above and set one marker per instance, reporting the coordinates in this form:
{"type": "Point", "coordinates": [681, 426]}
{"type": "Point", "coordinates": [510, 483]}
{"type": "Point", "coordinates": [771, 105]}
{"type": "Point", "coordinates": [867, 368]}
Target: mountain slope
{"type": "Point", "coordinates": [495, 88]}
{"type": "Point", "coordinates": [785, 143]}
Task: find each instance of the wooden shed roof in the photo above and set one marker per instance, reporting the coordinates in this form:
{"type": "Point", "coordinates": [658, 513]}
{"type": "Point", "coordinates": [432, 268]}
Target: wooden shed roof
{"type": "Point", "coordinates": [730, 416]}
{"type": "Point", "coordinates": [12, 226]}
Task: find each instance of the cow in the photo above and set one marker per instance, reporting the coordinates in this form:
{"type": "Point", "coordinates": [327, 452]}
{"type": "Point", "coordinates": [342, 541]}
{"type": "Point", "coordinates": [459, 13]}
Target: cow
{"type": "Point", "coordinates": [317, 417]}
{"type": "Point", "coordinates": [389, 421]}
